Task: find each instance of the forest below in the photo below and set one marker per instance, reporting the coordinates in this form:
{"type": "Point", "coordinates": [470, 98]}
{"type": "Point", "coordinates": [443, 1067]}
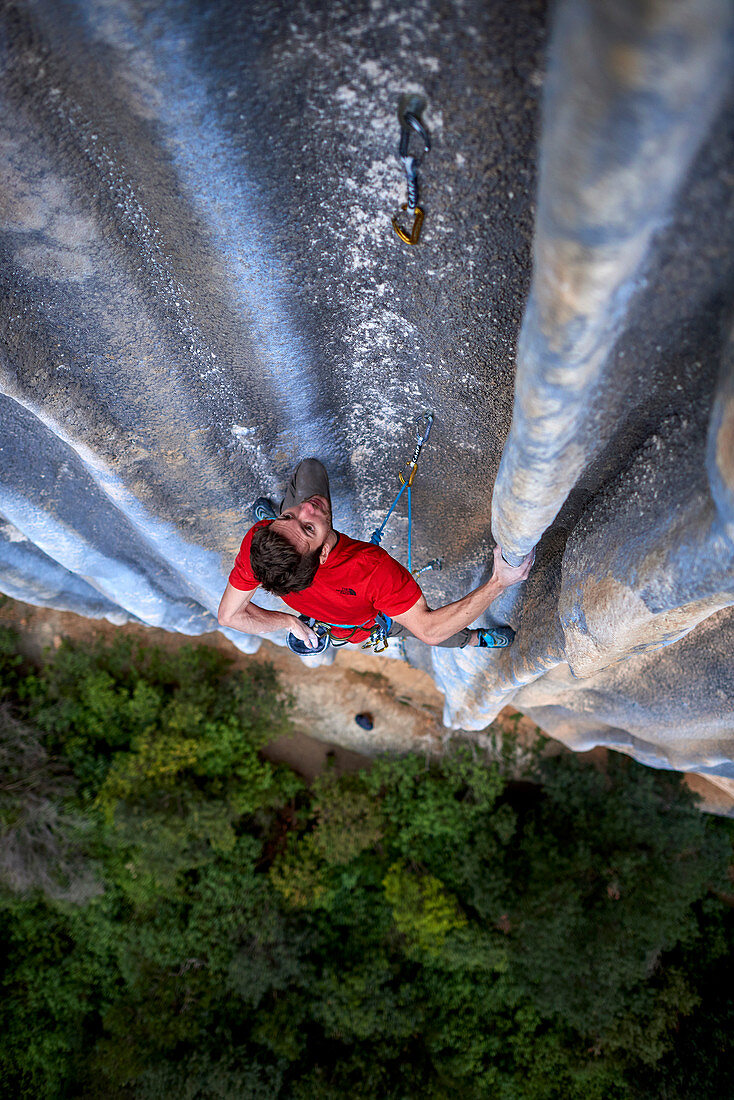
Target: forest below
{"type": "Point", "coordinates": [181, 917]}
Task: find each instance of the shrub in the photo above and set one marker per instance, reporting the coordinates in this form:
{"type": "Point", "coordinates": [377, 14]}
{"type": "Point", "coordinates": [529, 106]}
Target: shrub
{"type": "Point", "coordinates": [425, 928]}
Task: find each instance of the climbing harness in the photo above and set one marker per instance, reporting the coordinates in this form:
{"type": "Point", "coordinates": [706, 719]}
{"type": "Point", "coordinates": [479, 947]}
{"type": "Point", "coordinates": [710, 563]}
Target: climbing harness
{"type": "Point", "coordinates": [410, 109]}
{"type": "Point", "coordinates": [380, 630]}
{"type": "Point", "coordinates": [378, 635]}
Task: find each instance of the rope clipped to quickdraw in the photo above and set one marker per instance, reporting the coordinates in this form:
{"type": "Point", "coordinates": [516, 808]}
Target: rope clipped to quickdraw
{"type": "Point", "coordinates": [378, 637]}
{"type": "Point", "coordinates": [424, 424]}
{"type": "Point", "coordinates": [410, 109]}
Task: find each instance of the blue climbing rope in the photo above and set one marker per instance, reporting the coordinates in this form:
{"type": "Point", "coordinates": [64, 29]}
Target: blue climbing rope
{"type": "Point", "coordinates": [425, 423]}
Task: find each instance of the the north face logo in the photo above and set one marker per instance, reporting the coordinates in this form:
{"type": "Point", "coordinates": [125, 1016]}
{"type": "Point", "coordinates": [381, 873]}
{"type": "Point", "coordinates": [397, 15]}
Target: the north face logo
{"type": "Point", "coordinates": [346, 592]}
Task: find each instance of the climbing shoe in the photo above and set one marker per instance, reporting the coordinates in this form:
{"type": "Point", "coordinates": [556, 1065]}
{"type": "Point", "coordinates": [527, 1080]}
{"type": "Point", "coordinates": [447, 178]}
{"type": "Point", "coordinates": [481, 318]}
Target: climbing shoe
{"type": "Point", "coordinates": [496, 637]}
{"type": "Point", "coordinates": [263, 508]}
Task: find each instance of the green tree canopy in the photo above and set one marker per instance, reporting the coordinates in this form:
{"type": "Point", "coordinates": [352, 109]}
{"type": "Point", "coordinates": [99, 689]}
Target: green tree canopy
{"type": "Point", "coordinates": [422, 928]}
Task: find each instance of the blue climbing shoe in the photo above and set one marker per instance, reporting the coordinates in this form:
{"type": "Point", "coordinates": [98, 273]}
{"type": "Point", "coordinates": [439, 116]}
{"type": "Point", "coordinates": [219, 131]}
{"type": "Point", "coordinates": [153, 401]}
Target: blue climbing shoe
{"type": "Point", "coordinates": [263, 508]}
{"type": "Point", "coordinates": [496, 637]}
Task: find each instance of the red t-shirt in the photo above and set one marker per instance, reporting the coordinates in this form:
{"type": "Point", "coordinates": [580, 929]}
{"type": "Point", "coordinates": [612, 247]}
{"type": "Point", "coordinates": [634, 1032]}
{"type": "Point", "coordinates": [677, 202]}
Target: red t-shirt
{"type": "Point", "coordinates": [356, 581]}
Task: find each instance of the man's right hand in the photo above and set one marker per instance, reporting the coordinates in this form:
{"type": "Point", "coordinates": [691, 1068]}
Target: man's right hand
{"type": "Point", "coordinates": [237, 612]}
{"type": "Point", "coordinates": [303, 632]}
{"type": "Point", "coordinates": [507, 575]}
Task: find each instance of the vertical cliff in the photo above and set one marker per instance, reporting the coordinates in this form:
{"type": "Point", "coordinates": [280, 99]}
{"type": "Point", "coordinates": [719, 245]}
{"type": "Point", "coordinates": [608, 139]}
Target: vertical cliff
{"type": "Point", "coordinates": [200, 284]}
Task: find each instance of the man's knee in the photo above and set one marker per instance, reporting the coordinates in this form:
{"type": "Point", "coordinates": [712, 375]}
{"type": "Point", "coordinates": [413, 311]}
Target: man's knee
{"type": "Point", "coordinates": [310, 479]}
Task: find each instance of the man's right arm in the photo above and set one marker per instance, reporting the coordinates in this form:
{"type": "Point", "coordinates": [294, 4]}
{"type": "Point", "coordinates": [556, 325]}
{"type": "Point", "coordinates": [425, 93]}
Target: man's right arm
{"type": "Point", "coordinates": [236, 611]}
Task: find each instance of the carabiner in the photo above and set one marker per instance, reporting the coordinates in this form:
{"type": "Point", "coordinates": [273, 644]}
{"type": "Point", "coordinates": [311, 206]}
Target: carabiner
{"type": "Point", "coordinates": [410, 108]}
{"type": "Point", "coordinates": [428, 418]}
{"type": "Point", "coordinates": [415, 232]}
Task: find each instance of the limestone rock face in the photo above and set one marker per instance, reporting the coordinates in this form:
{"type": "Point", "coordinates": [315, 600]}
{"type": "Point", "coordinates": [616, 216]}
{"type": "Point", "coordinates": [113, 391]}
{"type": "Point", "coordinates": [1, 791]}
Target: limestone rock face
{"type": "Point", "coordinates": [201, 285]}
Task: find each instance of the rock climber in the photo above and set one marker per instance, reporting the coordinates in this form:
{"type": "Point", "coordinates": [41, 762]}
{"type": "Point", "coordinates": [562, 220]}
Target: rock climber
{"type": "Point", "coordinates": [326, 576]}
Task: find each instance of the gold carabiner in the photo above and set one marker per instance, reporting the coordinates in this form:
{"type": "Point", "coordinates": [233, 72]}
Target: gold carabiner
{"type": "Point", "coordinates": [409, 482]}
{"type": "Point", "coordinates": [415, 231]}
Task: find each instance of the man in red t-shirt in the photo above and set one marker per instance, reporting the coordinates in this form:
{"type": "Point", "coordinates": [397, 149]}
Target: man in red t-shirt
{"type": "Point", "coordinates": [327, 576]}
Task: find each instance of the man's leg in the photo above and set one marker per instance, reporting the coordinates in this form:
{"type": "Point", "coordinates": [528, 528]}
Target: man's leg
{"type": "Point", "coordinates": [456, 641]}
{"type": "Point", "coordinates": [498, 637]}
{"type": "Point", "coordinates": [309, 479]}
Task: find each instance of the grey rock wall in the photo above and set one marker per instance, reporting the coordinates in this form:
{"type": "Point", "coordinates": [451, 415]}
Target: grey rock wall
{"type": "Point", "coordinates": [200, 284]}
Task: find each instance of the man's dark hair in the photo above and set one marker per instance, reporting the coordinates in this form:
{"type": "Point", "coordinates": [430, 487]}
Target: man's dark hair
{"type": "Point", "coordinates": [278, 566]}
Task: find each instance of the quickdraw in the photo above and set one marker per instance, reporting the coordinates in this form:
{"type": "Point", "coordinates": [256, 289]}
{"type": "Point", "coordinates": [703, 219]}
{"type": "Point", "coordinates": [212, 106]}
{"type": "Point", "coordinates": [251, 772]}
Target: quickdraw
{"type": "Point", "coordinates": [427, 421]}
{"type": "Point", "coordinates": [434, 563]}
{"type": "Point", "coordinates": [377, 640]}
{"type": "Point", "coordinates": [410, 109]}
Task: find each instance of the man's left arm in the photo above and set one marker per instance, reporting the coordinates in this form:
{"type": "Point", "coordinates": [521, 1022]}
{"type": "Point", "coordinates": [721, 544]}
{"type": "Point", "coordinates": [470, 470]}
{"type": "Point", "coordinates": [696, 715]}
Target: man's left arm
{"type": "Point", "coordinates": [434, 626]}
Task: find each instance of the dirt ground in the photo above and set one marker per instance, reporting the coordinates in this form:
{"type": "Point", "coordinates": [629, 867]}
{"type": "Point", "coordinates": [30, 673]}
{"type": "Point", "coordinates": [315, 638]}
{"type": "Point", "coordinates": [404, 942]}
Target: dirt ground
{"type": "Point", "coordinates": [404, 703]}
